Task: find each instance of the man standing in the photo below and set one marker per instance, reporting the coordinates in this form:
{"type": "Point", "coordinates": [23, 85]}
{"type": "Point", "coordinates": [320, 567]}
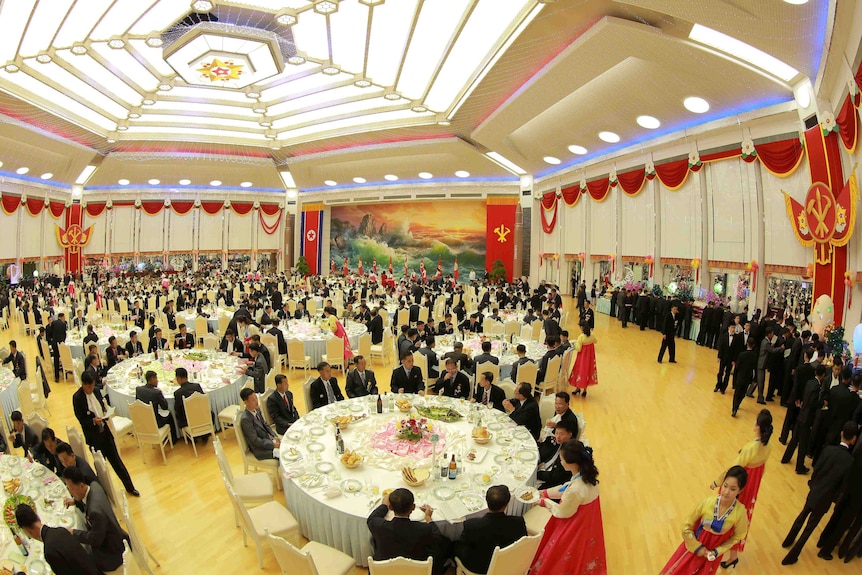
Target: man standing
{"type": "Point", "coordinates": [62, 551]}
{"type": "Point", "coordinates": [360, 381]}
{"type": "Point", "coordinates": [324, 390]}
{"type": "Point", "coordinates": [56, 336]}
{"type": "Point", "coordinates": [280, 404]}
{"type": "Point", "coordinates": [801, 375]}
{"type": "Point", "coordinates": [767, 347]}
{"type": "Point", "coordinates": [808, 404]}
{"type": "Point", "coordinates": [671, 322]}
{"type": "Point", "coordinates": [258, 369]}
{"type": "Point", "coordinates": [261, 440]}
{"type": "Point", "coordinates": [743, 374]}
{"type": "Point", "coordinates": [588, 316]}
{"type": "Point", "coordinates": [725, 359]}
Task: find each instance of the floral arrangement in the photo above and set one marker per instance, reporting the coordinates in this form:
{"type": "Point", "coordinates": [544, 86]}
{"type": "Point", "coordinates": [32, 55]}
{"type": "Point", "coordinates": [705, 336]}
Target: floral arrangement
{"type": "Point", "coordinates": [835, 344]}
{"type": "Point", "coordinates": [634, 286]}
{"type": "Point", "coordinates": [657, 291]}
{"type": "Point", "coordinates": [413, 429]}
{"type": "Point", "coordinates": [712, 297]}
{"type": "Point", "coordinates": [742, 290]}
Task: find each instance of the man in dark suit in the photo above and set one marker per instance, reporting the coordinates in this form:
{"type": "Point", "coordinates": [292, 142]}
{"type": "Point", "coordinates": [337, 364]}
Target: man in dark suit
{"type": "Point", "coordinates": [588, 316]}
{"type": "Point", "coordinates": [551, 471]}
{"type": "Point", "coordinates": [103, 535]}
{"type": "Point", "coordinates": [485, 356]}
{"type": "Point", "coordinates": [375, 327]}
{"type": "Point", "coordinates": [521, 351]}
{"type": "Point", "coordinates": [407, 378]}
{"type": "Point", "coordinates": [157, 342]}
{"type": "Point", "coordinates": [768, 346]}
{"type": "Point", "coordinates": [550, 325]}
{"type": "Point", "coordinates": [431, 357]}
{"type": "Point", "coordinates": [562, 412]}
{"type": "Point", "coordinates": [16, 358]}
{"type": "Point", "coordinates": [846, 517]}
{"type": "Point", "coordinates": [90, 411]}
{"type": "Point", "coordinates": [475, 547]}
{"type": "Point", "coordinates": [22, 435]}
{"type": "Point", "coordinates": [151, 394]}
{"type": "Point", "coordinates": [46, 452]}
{"type": "Point", "coordinates": [671, 323]}
{"type": "Point", "coordinates": [830, 475]}
{"type": "Point", "coordinates": [527, 411]}
{"type": "Point", "coordinates": [725, 359]}
{"type": "Point", "coordinates": [642, 306]}
{"type": "Point", "coordinates": [301, 312]}
{"type": "Point", "coordinates": [360, 381]}
{"type": "Point", "coordinates": [808, 404]}
{"type": "Point", "coordinates": [803, 373]}
{"type": "Point", "coordinates": [487, 393]}
{"type": "Point", "coordinates": [260, 438]}
{"type": "Point", "coordinates": [62, 551]}
{"type": "Point", "coordinates": [452, 382]}
{"type": "Point", "coordinates": [186, 389]}
{"type": "Point", "coordinates": [280, 405]}
{"type": "Point", "coordinates": [271, 329]}
{"type": "Point", "coordinates": [133, 346]}
{"type": "Point", "coordinates": [258, 369]}
{"type": "Point", "coordinates": [56, 336]}
{"type": "Point", "coordinates": [184, 340]}
{"type": "Point", "coordinates": [842, 400]}
{"type": "Point", "coordinates": [457, 353]}
{"type": "Point", "coordinates": [324, 390]}
{"type": "Point", "coordinates": [401, 537]}
{"type": "Point", "coordinates": [230, 344]}
{"type": "Point", "coordinates": [68, 458]}
{"type": "Point", "coordinates": [553, 343]}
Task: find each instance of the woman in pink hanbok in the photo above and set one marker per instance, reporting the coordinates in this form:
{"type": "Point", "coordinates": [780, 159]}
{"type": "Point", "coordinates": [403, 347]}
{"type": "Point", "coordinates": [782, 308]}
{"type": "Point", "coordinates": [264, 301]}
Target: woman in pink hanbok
{"type": "Point", "coordinates": [585, 371]}
{"type": "Point", "coordinates": [334, 325]}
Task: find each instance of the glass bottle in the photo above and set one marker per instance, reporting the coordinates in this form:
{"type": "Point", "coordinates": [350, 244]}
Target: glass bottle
{"type": "Point", "coordinates": [339, 441]}
{"type": "Point", "coordinates": [379, 404]}
{"type": "Point", "coordinates": [453, 468]}
{"type": "Point", "coordinates": [22, 544]}
{"type": "Point", "coordinates": [444, 467]}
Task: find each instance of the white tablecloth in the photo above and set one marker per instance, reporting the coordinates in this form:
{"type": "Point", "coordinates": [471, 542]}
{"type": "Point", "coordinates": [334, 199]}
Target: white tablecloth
{"type": "Point", "coordinates": [48, 493]}
{"type": "Point", "coordinates": [123, 378]}
{"type": "Point", "coordinates": [314, 337]}
{"type": "Point", "coordinates": [340, 521]}
{"type": "Point", "coordinates": [502, 350]}
{"type": "Point", "coordinates": [188, 317]}
{"type": "Point", "coordinates": [75, 338]}
{"type": "Point", "coordinates": [8, 394]}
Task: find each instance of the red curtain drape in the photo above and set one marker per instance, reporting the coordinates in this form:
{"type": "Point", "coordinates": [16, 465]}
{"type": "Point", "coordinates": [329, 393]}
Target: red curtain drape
{"type": "Point", "coordinates": [572, 194]}
{"type": "Point", "coordinates": [58, 208]}
{"type": "Point", "coordinates": [781, 158]}
{"type": "Point", "coordinates": [848, 124]}
{"type": "Point", "coordinates": [241, 208]}
{"type": "Point", "coordinates": [599, 189]}
{"type": "Point", "coordinates": [152, 208]}
{"type": "Point", "coordinates": [632, 182]}
{"type": "Point", "coordinates": [35, 205]}
{"type": "Point", "coordinates": [269, 229]}
{"type": "Point", "coordinates": [714, 157]}
{"type": "Point", "coordinates": [673, 174]}
{"type": "Point", "coordinates": [270, 209]}
{"type": "Point", "coordinates": [181, 208]}
{"type": "Point", "coordinates": [212, 208]}
{"type": "Point", "coordinates": [93, 210]}
{"type": "Point", "coordinates": [549, 203]}
{"type": "Point", "coordinates": [11, 203]}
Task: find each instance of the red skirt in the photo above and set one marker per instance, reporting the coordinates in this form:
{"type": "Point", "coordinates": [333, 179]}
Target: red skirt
{"type": "Point", "coordinates": [573, 546]}
{"type": "Point", "coordinates": [748, 497]}
{"type": "Point", "coordinates": [585, 372]}
{"type": "Point", "coordinates": [684, 562]}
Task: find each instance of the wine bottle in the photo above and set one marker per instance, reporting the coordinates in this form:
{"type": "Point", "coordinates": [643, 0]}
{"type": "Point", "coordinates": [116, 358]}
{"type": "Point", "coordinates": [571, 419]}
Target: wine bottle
{"type": "Point", "coordinates": [444, 467]}
{"type": "Point", "coordinates": [453, 468]}
{"type": "Point", "coordinates": [339, 441]}
{"type": "Point", "coordinates": [22, 544]}
{"type": "Point", "coordinates": [379, 404]}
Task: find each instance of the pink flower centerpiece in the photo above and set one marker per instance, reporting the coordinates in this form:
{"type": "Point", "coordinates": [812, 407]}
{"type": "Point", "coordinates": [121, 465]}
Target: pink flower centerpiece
{"type": "Point", "coordinates": [404, 438]}
{"type": "Point", "coordinates": [412, 429]}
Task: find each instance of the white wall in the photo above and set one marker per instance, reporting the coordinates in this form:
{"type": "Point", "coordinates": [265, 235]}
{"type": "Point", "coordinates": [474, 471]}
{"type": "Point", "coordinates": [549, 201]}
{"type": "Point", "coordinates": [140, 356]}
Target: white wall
{"type": "Point", "coordinates": [681, 221]}
{"type": "Point", "coordinates": [603, 215]}
{"type": "Point", "coordinates": [638, 223]}
{"type": "Point", "coordinates": [782, 247]}
{"type": "Point", "coordinates": [731, 197]}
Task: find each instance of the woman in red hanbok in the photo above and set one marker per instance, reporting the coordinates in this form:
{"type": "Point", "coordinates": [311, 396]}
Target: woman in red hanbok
{"type": "Point", "coordinates": [338, 330]}
{"type": "Point", "coordinates": [585, 371]}
{"type": "Point", "coordinates": [753, 458]}
{"type": "Point", "coordinates": [716, 525]}
{"type": "Point", "coordinates": [574, 542]}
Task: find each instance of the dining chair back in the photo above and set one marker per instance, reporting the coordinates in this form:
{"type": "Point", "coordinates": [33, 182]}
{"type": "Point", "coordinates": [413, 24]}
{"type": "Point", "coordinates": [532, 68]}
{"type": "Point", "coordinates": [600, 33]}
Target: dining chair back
{"type": "Point", "coordinates": [37, 423]}
{"type": "Point", "coordinates": [199, 418]}
{"type": "Point", "coordinates": [130, 564]}
{"type": "Point", "coordinates": [399, 566]}
{"type": "Point", "coordinates": [223, 323]}
{"type": "Point", "coordinates": [296, 355]}
{"type": "Point", "coordinates": [262, 521]}
{"type": "Point", "coordinates": [25, 400]}
{"type": "Point", "coordinates": [139, 550]}
{"type": "Point", "coordinates": [76, 440]}
{"type": "Point", "coordinates": [552, 376]}
{"type": "Point", "coordinates": [248, 458]}
{"type": "Point", "coordinates": [264, 410]}
{"type": "Point", "coordinates": [512, 560]}
{"type": "Point", "coordinates": [537, 330]}
{"type": "Point", "coordinates": [105, 475]}
{"type": "Point", "coordinates": [527, 373]}
{"type": "Point", "coordinates": [210, 342]}
{"type": "Point", "coordinates": [201, 328]}
{"type": "Point", "coordinates": [305, 561]}
{"type": "Point", "coordinates": [66, 358]}
{"type": "Point", "coordinates": [403, 317]}
{"type": "Point", "coordinates": [147, 431]}
{"type": "Point", "coordinates": [365, 345]}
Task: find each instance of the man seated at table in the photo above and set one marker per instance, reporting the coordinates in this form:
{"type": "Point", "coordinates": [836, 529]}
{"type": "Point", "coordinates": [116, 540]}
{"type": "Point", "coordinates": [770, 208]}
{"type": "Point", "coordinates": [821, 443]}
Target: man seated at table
{"type": "Point", "coordinates": [157, 342]}
{"type": "Point", "coordinates": [231, 345]}
{"type": "Point", "coordinates": [431, 357]}
{"type": "Point", "coordinates": [459, 356]}
{"type": "Point", "coordinates": [280, 405]}
{"type": "Point", "coordinates": [324, 390]}
{"type": "Point", "coordinates": [453, 383]}
{"type": "Point", "coordinates": [22, 435]}
{"type": "Point", "coordinates": [134, 348]}
{"type": "Point", "coordinates": [487, 393]}
{"type": "Point", "coordinates": [114, 353]}
{"type": "Point", "coordinates": [407, 378]}
{"type": "Point", "coordinates": [527, 411]}
{"type": "Point", "coordinates": [260, 438]}
{"type": "Point", "coordinates": [553, 343]}
{"type": "Point", "coordinates": [151, 394]}
{"type": "Point", "coordinates": [79, 322]}
{"type": "Point", "coordinates": [46, 452]}
{"type": "Point", "coordinates": [62, 551]}
{"type": "Point", "coordinates": [551, 471]}
{"type": "Point", "coordinates": [561, 412]}
{"type": "Point", "coordinates": [68, 458]}
{"type": "Point", "coordinates": [447, 327]}
{"type": "Point", "coordinates": [360, 381]}
{"type": "Point", "coordinates": [103, 534]}
{"type": "Point", "coordinates": [471, 324]}
{"type": "Point", "coordinates": [16, 358]}
{"type": "Point", "coordinates": [258, 368]}
{"type": "Point", "coordinates": [186, 389]}
{"type": "Point", "coordinates": [481, 535]}
{"type": "Point", "coordinates": [521, 351]}
{"type": "Point", "coordinates": [485, 356]}
{"type": "Point", "coordinates": [91, 336]}
{"type": "Point", "coordinates": [301, 312]}
{"type": "Point", "coordinates": [137, 315]}
{"type": "Point", "coordinates": [184, 340]}
{"type": "Point", "coordinates": [401, 537]}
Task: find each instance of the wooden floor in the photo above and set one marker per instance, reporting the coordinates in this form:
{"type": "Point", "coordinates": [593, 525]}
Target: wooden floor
{"type": "Point", "coordinates": [660, 437]}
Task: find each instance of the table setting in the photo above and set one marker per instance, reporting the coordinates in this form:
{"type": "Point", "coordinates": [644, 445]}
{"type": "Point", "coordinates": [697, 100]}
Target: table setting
{"type": "Point", "coordinates": [500, 348]}
{"type": "Point", "coordinates": [75, 338]}
{"type": "Point", "coordinates": [313, 334]}
{"type": "Point", "coordinates": [8, 393]}
{"type": "Point", "coordinates": [188, 317]}
{"type": "Point", "coordinates": [410, 444]}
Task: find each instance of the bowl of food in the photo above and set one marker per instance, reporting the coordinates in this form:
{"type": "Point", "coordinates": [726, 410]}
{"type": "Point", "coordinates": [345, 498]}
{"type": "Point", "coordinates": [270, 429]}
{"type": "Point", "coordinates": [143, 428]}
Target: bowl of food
{"type": "Point", "coordinates": [351, 459]}
{"type": "Point", "coordinates": [414, 477]}
{"type": "Point", "coordinates": [481, 435]}
{"type": "Point", "coordinates": [342, 421]}
{"type": "Point", "coordinates": [403, 405]}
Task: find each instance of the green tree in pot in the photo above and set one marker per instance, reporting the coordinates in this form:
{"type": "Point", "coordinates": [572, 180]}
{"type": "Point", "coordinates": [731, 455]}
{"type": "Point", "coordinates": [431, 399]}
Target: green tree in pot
{"type": "Point", "coordinates": [302, 267]}
{"type": "Point", "coordinates": [498, 272]}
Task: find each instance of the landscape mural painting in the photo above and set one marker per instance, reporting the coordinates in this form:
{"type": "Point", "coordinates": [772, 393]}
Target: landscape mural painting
{"type": "Point", "coordinates": [411, 232]}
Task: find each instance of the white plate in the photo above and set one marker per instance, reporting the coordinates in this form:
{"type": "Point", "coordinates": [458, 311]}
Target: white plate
{"type": "Point", "coordinates": [526, 455]}
{"type": "Point", "coordinates": [504, 440]}
{"type": "Point", "coordinates": [480, 455]}
{"type": "Point", "coordinates": [502, 458]}
{"type": "Point", "coordinates": [38, 471]}
{"type": "Point", "coordinates": [496, 426]}
{"type": "Point", "coordinates": [310, 480]}
{"type": "Point", "coordinates": [315, 447]}
{"type": "Point", "coordinates": [288, 456]}
{"type": "Point", "coordinates": [37, 567]}
{"type": "Point", "coordinates": [65, 520]}
{"type": "Point", "coordinates": [472, 502]}
{"type": "Point", "coordinates": [293, 436]}
{"type": "Point", "coordinates": [351, 486]}
{"type": "Point", "coordinates": [522, 434]}
{"type": "Point", "coordinates": [444, 493]}
{"type": "Point", "coordinates": [357, 408]}
{"type": "Point", "coordinates": [317, 431]}
{"type": "Point", "coordinates": [479, 479]}
{"type": "Point", "coordinates": [531, 492]}
{"type": "Point", "coordinates": [324, 467]}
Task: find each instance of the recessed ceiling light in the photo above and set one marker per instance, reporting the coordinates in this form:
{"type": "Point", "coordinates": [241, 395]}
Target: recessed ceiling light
{"type": "Point", "coordinates": [296, 60]}
{"type": "Point", "coordinates": [797, 2]}
{"type": "Point", "coordinates": [135, 113]}
{"type": "Point", "coordinates": [111, 140]}
{"type": "Point", "coordinates": [251, 94]}
{"type": "Point", "coordinates": [202, 5]}
{"type": "Point", "coordinates": [78, 49]}
{"type": "Point", "coordinates": [648, 122]}
{"type": "Point", "coordinates": [285, 18]}
{"type": "Point", "coordinates": [330, 182]}
{"type": "Point", "coordinates": [425, 175]}
{"type": "Point", "coordinates": [165, 86]}
{"type": "Point", "coordinates": [185, 182]}
{"type": "Point", "coordinates": [462, 174]}
{"type": "Point", "coordinates": [153, 182]}
{"type": "Point", "coordinates": [245, 184]}
{"type": "Point", "coordinates": [259, 109]}
{"type": "Point", "coordinates": [47, 176]}
{"type": "Point", "coordinates": [43, 58]}
{"type": "Point", "coordinates": [1, 164]}
{"type": "Point", "coordinates": [11, 68]}
{"type": "Point", "coordinates": [419, 109]}
{"type": "Point", "coordinates": [741, 50]}
{"type": "Point", "coordinates": [330, 70]}
{"type": "Point", "coordinates": [326, 6]}
{"type": "Point", "coordinates": [392, 96]}
{"type": "Point", "coordinates": [362, 83]}
{"type": "Point", "coordinates": [215, 183]}
{"type": "Point", "coordinates": [147, 102]}
{"type": "Point", "coordinates": [154, 42]}
{"type": "Point", "coordinates": [116, 43]}
{"type": "Point", "coordinates": [579, 150]}
{"type": "Point", "coordinates": [270, 134]}
{"type": "Point", "coordinates": [551, 160]}
{"type": "Point", "coordinates": [609, 137]}
{"type": "Point", "coordinates": [265, 123]}
{"type": "Point", "coordinates": [21, 171]}
{"type": "Point", "coordinates": [291, 194]}
{"type": "Point", "coordinates": [122, 127]}
{"type": "Point", "coordinates": [390, 177]}
{"type": "Point", "coordinates": [359, 180]}
{"type": "Point", "coordinates": [696, 105]}
{"type": "Point", "coordinates": [123, 182]}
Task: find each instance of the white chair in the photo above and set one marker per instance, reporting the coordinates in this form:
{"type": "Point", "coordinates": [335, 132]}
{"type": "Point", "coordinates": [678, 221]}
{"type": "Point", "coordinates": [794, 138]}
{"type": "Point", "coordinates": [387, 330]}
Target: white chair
{"type": "Point", "coordinates": [201, 328]}
{"type": "Point", "coordinates": [264, 411]}
{"type": "Point", "coordinates": [420, 360]}
{"type": "Point", "coordinates": [296, 356]}
{"type": "Point", "coordinates": [25, 399]}
{"type": "Point", "coordinates": [106, 479]}
{"type": "Point", "coordinates": [121, 427]}
{"type": "Point", "coordinates": [130, 564]}
{"type": "Point", "coordinates": [334, 355]}
{"type": "Point", "coordinates": [488, 366]}
{"type": "Point", "coordinates": [546, 407]}
{"type": "Point", "coordinates": [37, 397]}
{"type": "Point", "coordinates": [66, 363]}
{"type": "Point", "coordinates": [249, 460]}
{"type": "Point", "coordinates": [399, 566]}
{"type": "Point", "coordinates": [365, 345]}
{"type": "Point", "coordinates": [423, 314]}
{"type": "Point", "coordinates": [37, 423]}
{"type": "Point", "coordinates": [210, 342]}
{"type": "Point", "coordinates": [139, 550]}
{"type": "Point", "coordinates": [198, 417]}
{"type": "Point", "coordinates": [512, 560]}
{"type": "Point", "coordinates": [271, 518]}
{"type": "Point", "coordinates": [252, 489]}
{"type": "Point", "coordinates": [512, 328]}
{"type": "Point", "coordinates": [552, 376]}
{"type": "Point", "coordinates": [268, 339]}
{"type": "Point", "coordinates": [77, 370]}
{"type": "Point", "coordinates": [527, 373]}
{"type": "Point", "coordinates": [311, 306]}
{"type": "Point", "coordinates": [384, 349]}
{"type": "Point", "coordinates": [402, 317]}
{"type": "Point", "coordinates": [312, 559]}
{"type": "Point", "coordinates": [537, 329]}
{"type": "Point", "coordinates": [508, 388]}
{"type": "Point", "coordinates": [306, 394]}
{"type": "Point", "coordinates": [76, 440]}
{"type": "Point", "coordinates": [269, 383]}
{"type": "Point", "coordinates": [223, 323]}
{"type": "Point", "coordinates": [536, 518]}
{"type": "Point", "coordinates": [147, 431]}
{"type": "Point", "coordinates": [45, 349]}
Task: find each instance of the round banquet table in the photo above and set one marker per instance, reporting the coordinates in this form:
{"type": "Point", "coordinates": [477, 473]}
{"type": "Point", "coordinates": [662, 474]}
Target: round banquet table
{"type": "Point", "coordinates": [219, 376]}
{"type": "Point", "coordinates": [505, 351]}
{"type": "Point", "coordinates": [75, 338]}
{"type": "Point", "coordinates": [340, 520]}
{"type": "Point", "coordinates": [47, 492]}
{"type": "Point", "coordinates": [8, 394]}
{"type": "Point", "coordinates": [188, 317]}
{"type": "Point", "coordinates": [314, 337]}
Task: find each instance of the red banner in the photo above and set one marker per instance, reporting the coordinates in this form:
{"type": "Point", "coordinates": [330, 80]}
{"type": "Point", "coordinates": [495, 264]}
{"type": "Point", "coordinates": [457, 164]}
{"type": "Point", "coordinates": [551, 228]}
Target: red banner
{"type": "Point", "coordinates": [500, 233]}
{"type": "Point", "coordinates": [93, 210]}
{"type": "Point", "coordinates": [212, 208]}
{"type": "Point", "coordinates": [10, 203]}
{"type": "Point", "coordinates": [311, 228]}
{"type": "Point", "coordinates": [73, 237]}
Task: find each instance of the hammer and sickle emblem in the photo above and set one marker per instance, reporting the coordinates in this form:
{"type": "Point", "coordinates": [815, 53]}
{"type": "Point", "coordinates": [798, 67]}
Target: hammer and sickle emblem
{"type": "Point", "coordinates": [819, 211]}
{"type": "Point", "coordinates": [502, 231]}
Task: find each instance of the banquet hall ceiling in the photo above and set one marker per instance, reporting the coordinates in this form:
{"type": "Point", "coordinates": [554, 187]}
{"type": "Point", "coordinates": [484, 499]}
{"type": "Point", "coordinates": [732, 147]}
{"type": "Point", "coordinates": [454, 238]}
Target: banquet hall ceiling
{"type": "Point", "coordinates": [336, 90]}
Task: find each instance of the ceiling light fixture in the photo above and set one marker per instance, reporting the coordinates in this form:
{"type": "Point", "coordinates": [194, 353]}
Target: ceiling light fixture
{"type": "Point", "coordinates": [154, 42]}
{"type": "Point", "coordinates": [648, 122]}
{"type": "Point", "coordinates": [85, 174]}
{"type": "Point", "coordinates": [185, 182]}
{"type": "Point", "coordinates": [326, 6]}
{"type": "Point", "coordinates": [392, 96]}
{"type": "Point", "coordinates": [362, 83]}
{"type": "Point", "coordinates": [462, 174]}
{"type": "Point", "coordinates": [741, 50]}
{"type": "Point", "coordinates": [696, 105]}
{"type": "Point", "coordinates": [43, 58]}
{"type": "Point", "coordinates": [505, 163]}
{"type": "Point", "coordinates": [148, 102]}
{"type": "Point", "coordinates": [270, 134]}
{"type": "Point", "coordinates": [609, 137]}
{"type": "Point", "coordinates": [419, 109]}
{"type": "Point", "coordinates": [578, 150]}
{"type": "Point", "coordinates": [47, 176]}
{"type": "Point", "coordinates": [330, 183]}
{"type": "Point", "coordinates": [291, 194]}
{"type": "Point", "coordinates": [21, 171]}
{"type": "Point", "coordinates": [286, 18]}
{"type": "Point", "coordinates": [259, 109]}
{"type": "Point", "coordinates": [552, 160]}
{"type": "Point", "coordinates": [153, 182]}
{"type": "Point", "coordinates": [296, 60]}
{"type": "Point", "coordinates": [265, 123]}
{"type": "Point", "coordinates": [444, 123]}
{"type": "Point", "coordinates": [215, 183]}
{"type": "Point", "coordinates": [803, 94]}
{"type": "Point", "coordinates": [371, 2]}
{"type": "Point", "coordinates": [797, 2]}
{"type": "Point", "coordinates": [111, 140]}
{"type": "Point", "coordinates": [252, 94]}
{"type": "Point", "coordinates": [122, 127]}
{"type": "Point", "coordinates": [287, 178]}
{"type": "Point", "coordinates": [245, 184]}
{"type": "Point", "coordinates": [331, 70]}
{"type": "Point", "coordinates": [359, 180]}
{"type": "Point", "coordinates": [202, 6]}
{"type": "Point", "coordinates": [390, 177]}
{"type": "Point", "coordinates": [425, 175]}
{"type": "Point", "coordinates": [135, 113]}
{"type": "Point", "coordinates": [165, 86]}
{"type": "Point", "coordinates": [116, 43]}
{"type": "Point", "coordinates": [78, 49]}
{"type": "Point", "coordinates": [123, 182]}
{"type": "Point", "coordinates": [11, 68]}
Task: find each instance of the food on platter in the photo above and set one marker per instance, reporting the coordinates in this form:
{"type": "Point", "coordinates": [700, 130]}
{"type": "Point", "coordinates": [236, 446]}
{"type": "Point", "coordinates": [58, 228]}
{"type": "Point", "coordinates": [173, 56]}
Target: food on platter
{"type": "Point", "coordinates": [439, 413]}
{"type": "Point", "coordinates": [351, 459]}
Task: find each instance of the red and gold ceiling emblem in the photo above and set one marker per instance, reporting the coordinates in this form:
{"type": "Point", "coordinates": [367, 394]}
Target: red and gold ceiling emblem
{"type": "Point", "coordinates": [220, 71]}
